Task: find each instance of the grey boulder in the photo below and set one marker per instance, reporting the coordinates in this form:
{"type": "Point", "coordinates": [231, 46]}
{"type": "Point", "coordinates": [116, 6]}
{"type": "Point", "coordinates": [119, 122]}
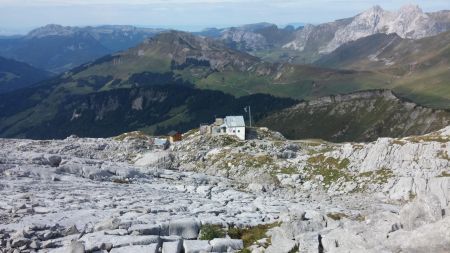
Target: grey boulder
{"type": "Point", "coordinates": [225, 244]}
{"type": "Point", "coordinates": [172, 247]}
{"type": "Point", "coordinates": [421, 211]}
{"type": "Point", "coordinates": [196, 246]}
{"type": "Point", "coordinates": [145, 229]}
{"type": "Point", "coordinates": [152, 248]}
{"type": "Point", "coordinates": [187, 228]}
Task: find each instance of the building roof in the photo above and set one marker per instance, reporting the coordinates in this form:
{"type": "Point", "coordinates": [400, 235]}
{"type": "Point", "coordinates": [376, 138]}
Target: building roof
{"type": "Point", "coordinates": [160, 142]}
{"type": "Point", "coordinates": [234, 121]}
{"type": "Point", "coordinates": [172, 133]}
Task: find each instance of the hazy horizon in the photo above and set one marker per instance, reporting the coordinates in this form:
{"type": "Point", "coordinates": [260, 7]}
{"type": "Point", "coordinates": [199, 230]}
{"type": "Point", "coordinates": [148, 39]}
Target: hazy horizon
{"type": "Point", "coordinates": [19, 17]}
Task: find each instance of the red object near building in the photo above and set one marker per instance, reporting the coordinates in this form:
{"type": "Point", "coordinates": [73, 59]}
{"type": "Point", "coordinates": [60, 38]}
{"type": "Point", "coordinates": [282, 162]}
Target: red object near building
{"type": "Point", "coordinates": [174, 136]}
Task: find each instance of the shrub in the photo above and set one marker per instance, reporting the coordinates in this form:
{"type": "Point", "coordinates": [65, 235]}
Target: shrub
{"type": "Point", "coordinates": [209, 232]}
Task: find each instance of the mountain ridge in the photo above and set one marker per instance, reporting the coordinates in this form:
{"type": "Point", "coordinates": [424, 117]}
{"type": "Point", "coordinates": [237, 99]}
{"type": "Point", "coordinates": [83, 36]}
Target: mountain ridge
{"type": "Point", "coordinates": [153, 109]}
{"type": "Point", "coordinates": [410, 21]}
{"type": "Point", "coordinates": [210, 64]}
{"type": "Point", "coordinates": [182, 60]}
{"type": "Point", "coordinates": [419, 68]}
{"type": "Point", "coordinates": [15, 75]}
{"type": "Point", "coordinates": [358, 116]}
{"type": "Point", "coordinates": [251, 37]}
{"type": "Point", "coordinates": [57, 48]}
{"type": "Point", "coordinates": [302, 45]}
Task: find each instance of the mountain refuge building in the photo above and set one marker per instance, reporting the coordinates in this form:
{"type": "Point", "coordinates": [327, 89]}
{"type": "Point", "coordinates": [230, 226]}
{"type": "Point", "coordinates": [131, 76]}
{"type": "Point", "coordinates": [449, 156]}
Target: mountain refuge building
{"type": "Point", "coordinates": [230, 125]}
{"type": "Point", "coordinates": [174, 136]}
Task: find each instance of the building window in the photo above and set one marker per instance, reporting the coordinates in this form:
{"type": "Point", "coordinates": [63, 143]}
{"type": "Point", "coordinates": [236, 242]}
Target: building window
{"type": "Point", "coordinates": [234, 131]}
{"type": "Point", "coordinates": [239, 131]}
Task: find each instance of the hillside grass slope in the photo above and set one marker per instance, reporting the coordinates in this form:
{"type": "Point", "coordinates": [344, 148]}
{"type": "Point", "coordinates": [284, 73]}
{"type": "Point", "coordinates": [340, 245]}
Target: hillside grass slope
{"type": "Point", "coordinates": [417, 69]}
{"type": "Point", "coordinates": [360, 116]}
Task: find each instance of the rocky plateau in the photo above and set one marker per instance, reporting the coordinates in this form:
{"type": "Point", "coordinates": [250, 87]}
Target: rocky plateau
{"type": "Point", "coordinates": [219, 194]}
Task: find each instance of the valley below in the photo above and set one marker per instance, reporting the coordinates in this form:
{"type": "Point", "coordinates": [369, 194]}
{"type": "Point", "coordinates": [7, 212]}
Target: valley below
{"type": "Point", "coordinates": [220, 194]}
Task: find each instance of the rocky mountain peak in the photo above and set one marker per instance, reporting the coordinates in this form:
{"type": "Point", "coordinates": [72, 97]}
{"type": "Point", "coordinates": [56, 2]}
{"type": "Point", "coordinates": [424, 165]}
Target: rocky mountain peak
{"type": "Point", "coordinates": [410, 22]}
{"type": "Point", "coordinates": [376, 9]}
{"type": "Point", "coordinates": [410, 9]}
{"type": "Point", "coordinates": [183, 47]}
{"type": "Point", "coordinates": [252, 37]}
{"type": "Point", "coordinates": [414, 16]}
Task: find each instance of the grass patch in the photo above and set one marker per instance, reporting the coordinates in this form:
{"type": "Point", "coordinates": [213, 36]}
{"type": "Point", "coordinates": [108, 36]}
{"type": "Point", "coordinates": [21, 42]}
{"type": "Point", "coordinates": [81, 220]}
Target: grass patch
{"type": "Point", "coordinates": [259, 161]}
{"type": "Point", "coordinates": [360, 218]}
{"type": "Point", "coordinates": [289, 170]}
{"type": "Point", "coordinates": [443, 154]}
{"type": "Point", "coordinates": [412, 195]}
{"type": "Point", "coordinates": [237, 164]}
{"type": "Point", "coordinates": [323, 150]}
{"type": "Point", "coordinates": [329, 161]}
{"type": "Point", "coordinates": [429, 138]}
{"type": "Point", "coordinates": [190, 132]}
{"type": "Point", "coordinates": [399, 142]}
{"type": "Point", "coordinates": [357, 146]}
{"type": "Point", "coordinates": [332, 169]}
{"type": "Point", "coordinates": [131, 135]}
{"type": "Point", "coordinates": [337, 216]}
{"type": "Point", "coordinates": [121, 181]}
{"type": "Point", "coordinates": [250, 235]}
{"type": "Point", "coordinates": [444, 174]}
{"type": "Point", "coordinates": [209, 232]}
{"type": "Point", "coordinates": [327, 149]}
{"type": "Point", "coordinates": [380, 176]}
{"type": "Point", "coordinates": [249, 161]}
{"type": "Point", "coordinates": [226, 140]}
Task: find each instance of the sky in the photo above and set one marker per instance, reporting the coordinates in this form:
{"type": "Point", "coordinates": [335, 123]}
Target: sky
{"type": "Point", "coordinates": [20, 16]}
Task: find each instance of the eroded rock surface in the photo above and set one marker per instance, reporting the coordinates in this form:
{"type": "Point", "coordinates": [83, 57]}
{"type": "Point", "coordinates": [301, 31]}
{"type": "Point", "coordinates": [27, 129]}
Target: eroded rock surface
{"type": "Point", "coordinates": [121, 195]}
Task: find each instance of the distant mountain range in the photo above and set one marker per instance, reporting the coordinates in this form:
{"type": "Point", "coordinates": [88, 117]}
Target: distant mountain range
{"type": "Point", "coordinates": [57, 48]}
{"type": "Point", "coordinates": [253, 37]}
{"type": "Point", "coordinates": [308, 43]}
{"type": "Point", "coordinates": [209, 64]}
{"type": "Point", "coordinates": [171, 59]}
{"type": "Point", "coordinates": [170, 62]}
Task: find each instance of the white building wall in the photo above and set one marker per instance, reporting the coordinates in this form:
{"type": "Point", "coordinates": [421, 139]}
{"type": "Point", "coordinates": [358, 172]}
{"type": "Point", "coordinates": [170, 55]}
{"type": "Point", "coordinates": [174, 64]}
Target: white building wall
{"type": "Point", "coordinates": [238, 131]}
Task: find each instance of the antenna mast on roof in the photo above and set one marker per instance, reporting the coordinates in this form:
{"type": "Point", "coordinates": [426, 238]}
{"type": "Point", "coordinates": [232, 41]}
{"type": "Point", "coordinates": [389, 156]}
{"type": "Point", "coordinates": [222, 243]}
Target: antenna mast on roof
{"type": "Point", "coordinates": [249, 110]}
